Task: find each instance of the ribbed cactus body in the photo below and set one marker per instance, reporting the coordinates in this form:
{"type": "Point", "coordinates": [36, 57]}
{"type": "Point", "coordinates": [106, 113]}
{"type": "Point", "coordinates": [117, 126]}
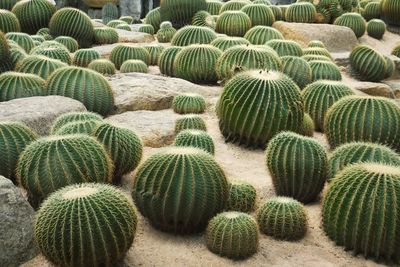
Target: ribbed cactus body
{"type": "Point", "coordinates": [155, 51]}
{"type": "Point", "coordinates": [33, 14]}
{"type": "Point", "coordinates": [105, 35]}
{"type": "Point", "coordinates": [360, 211]}
{"type": "Point", "coordinates": [259, 14]}
{"type": "Point", "coordinates": [125, 27]}
{"type": "Point", "coordinates": [70, 43]}
{"type": "Point", "coordinates": [260, 35]}
{"type": "Point", "coordinates": [84, 85]}
{"type": "Point", "coordinates": [372, 11]}
{"type": "Point", "coordinates": [167, 59]}
{"type": "Point", "coordinates": [234, 5]}
{"type": "Point", "coordinates": [180, 189]}
{"type": "Point", "coordinates": [324, 70]}
{"type": "Point", "coordinates": [319, 96]}
{"type": "Point", "coordinates": [223, 43]}
{"type": "Point", "coordinates": [193, 35]}
{"type": "Point", "coordinates": [301, 12]}
{"type": "Point", "coordinates": [286, 47]}
{"type": "Point", "coordinates": [233, 23]}
{"type": "Point", "coordinates": [134, 65]}
{"type": "Point", "coordinates": [317, 51]}
{"type": "Point", "coordinates": [316, 43]}
{"type": "Point", "coordinates": [310, 58]}
{"type": "Point", "coordinates": [22, 39]}
{"type": "Point", "coordinates": [391, 11]}
{"type": "Point", "coordinates": [16, 55]}
{"type": "Point", "coordinates": [73, 117]}
{"type": "Point", "coordinates": [254, 106]}
{"type": "Point", "coordinates": [298, 69]}
{"type": "Point", "coordinates": [154, 18]}
{"type": "Point", "coordinates": [146, 28]}
{"type": "Point", "coordinates": [165, 35]}
{"type": "Point", "coordinates": [369, 119]}
{"type": "Point", "coordinates": [60, 54]}
{"type": "Point", "coordinates": [396, 51]}
{"type": "Point", "coordinates": [204, 19]}
{"type": "Point", "coordinates": [354, 21]}
{"type": "Point", "coordinates": [18, 85]}
{"type": "Point", "coordinates": [283, 218]}
{"type": "Point", "coordinates": [189, 103]}
{"type": "Point", "coordinates": [214, 6]}
{"type": "Point", "coordinates": [376, 28]}
{"type": "Point", "coordinates": [242, 197]}
{"type": "Point", "coordinates": [39, 65]}
{"type": "Point", "coordinates": [390, 67]}
{"type": "Point", "coordinates": [83, 57]}
{"type": "Point", "coordinates": [307, 128]}
{"type": "Point", "coordinates": [8, 4]}
{"type": "Point", "coordinates": [277, 12]}
{"type": "Point", "coordinates": [180, 12]}
{"type": "Point", "coordinates": [127, 19]}
{"type": "Point", "coordinates": [9, 22]}
{"type": "Point", "coordinates": [264, 2]}
{"type": "Point", "coordinates": [51, 163]}
{"type": "Point", "coordinates": [79, 127]}
{"type": "Point", "coordinates": [123, 52]}
{"type": "Point", "coordinates": [109, 12]}
{"type": "Point", "coordinates": [14, 137]}
{"type": "Point", "coordinates": [297, 165]}
{"type": "Point", "coordinates": [195, 138]}
{"type": "Point", "coordinates": [104, 221]}
{"type": "Point", "coordinates": [188, 122]}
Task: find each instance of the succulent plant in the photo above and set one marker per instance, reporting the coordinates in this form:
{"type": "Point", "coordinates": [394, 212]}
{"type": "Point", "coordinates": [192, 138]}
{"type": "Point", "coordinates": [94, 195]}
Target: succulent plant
{"type": "Point", "coordinates": [39, 65]}
{"type": "Point", "coordinates": [361, 205]}
{"type": "Point", "coordinates": [190, 121]}
{"type": "Point", "coordinates": [396, 51]}
{"type": "Point", "coordinates": [54, 53]}
{"type": "Point", "coordinates": [193, 35]}
{"type": "Point", "coordinates": [16, 55]}
{"type": "Point", "coordinates": [297, 165]}
{"type": "Point", "coordinates": [73, 117]}
{"type": "Point", "coordinates": [127, 19]}
{"type": "Point", "coordinates": [368, 63]}
{"type": "Point", "coordinates": [109, 12]}
{"type": "Point", "coordinates": [272, 104]}
{"type": "Point", "coordinates": [277, 12]}
{"type": "Point", "coordinates": [105, 224]}
{"type": "Point", "coordinates": [155, 51]}
{"type": "Point", "coordinates": [301, 12]}
{"type": "Point", "coordinates": [154, 18]}
{"type": "Point", "coordinates": [83, 57]}
{"type": "Point", "coordinates": [260, 35]}
{"type": "Point", "coordinates": [200, 181]}
{"type": "Point", "coordinates": [390, 67]}
{"type": "Point", "coordinates": [22, 39]}
{"type": "Point", "coordinates": [195, 138]}
{"type": "Point", "coordinates": [124, 27]}
{"type": "Point", "coordinates": [376, 28]}
{"type": "Point", "coordinates": [165, 34]}
{"type": "Point", "coordinates": [8, 4]}
{"type": "Point", "coordinates": [310, 58]}
{"type": "Point", "coordinates": [264, 2]}
{"type": "Point", "coordinates": [38, 38]}
{"type": "Point", "coordinates": [372, 11]}
{"type": "Point", "coordinates": [9, 22]}
{"type": "Point", "coordinates": [180, 12]}
{"type": "Point", "coordinates": [233, 5]}
{"type": "Point", "coordinates": [123, 52]}
{"type": "Point", "coordinates": [324, 70]}
{"type": "Point", "coordinates": [189, 103]}
{"type": "Point", "coordinates": [115, 22]}
{"type": "Point", "coordinates": [391, 11]}
{"type": "Point", "coordinates": [74, 23]}
{"type": "Point", "coordinates": [259, 14]}
{"type": "Point", "coordinates": [70, 43]}
{"type": "Point", "coordinates": [307, 128]}
{"type": "Point", "coordinates": [18, 85]}
{"type": "Point", "coordinates": [354, 21]}
{"type": "Point", "coordinates": [316, 43]}
{"type": "Point", "coordinates": [167, 59]}
{"type": "Point", "coordinates": [297, 69]}
{"type": "Point", "coordinates": [233, 23]}
{"type": "Point", "coordinates": [134, 65]}
{"type": "Point", "coordinates": [105, 35]}
{"type": "Point", "coordinates": [79, 127]}
{"type": "Point", "coordinates": [214, 6]}
{"type": "Point", "coordinates": [146, 28]}
{"type": "Point", "coordinates": [286, 47]}
{"type": "Point", "coordinates": [69, 159]}
{"type": "Point", "coordinates": [233, 235]}
{"type": "Point", "coordinates": [14, 137]}
{"type": "Point", "coordinates": [44, 32]}
{"type": "Point", "coordinates": [317, 51]}
{"type": "Point", "coordinates": [242, 197]}
{"type": "Point", "coordinates": [223, 43]}
{"type": "Point", "coordinates": [283, 218]}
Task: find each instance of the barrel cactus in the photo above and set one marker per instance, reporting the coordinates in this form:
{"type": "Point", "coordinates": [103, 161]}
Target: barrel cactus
{"type": "Point", "coordinates": [80, 127]}
{"type": "Point", "coordinates": [396, 51]}
{"type": "Point", "coordinates": [180, 12]}
{"type": "Point", "coordinates": [204, 19]}
{"type": "Point", "coordinates": [317, 51]}
{"type": "Point", "coordinates": [70, 43]}
{"type": "Point", "coordinates": [223, 43]}
{"type": "Point", "coordinates": [316, 43]}
{"type": "Point", "coordinates": [146, 28]}
{"type": "Point", "coordinates": [195, 138]}
{"type": "Point", "coordinates": [123, 52]}
{"type": "Point", "coordinates": [134, 65]}
{"type": "Point", "coordinates": [234, 5]}
{"type": "Point", "coordinates": [277, 12]}
{"type": "Point", "coordinates": [390, 67]}
{"type": "Point", "coordinates": [102, 66]}
{"type": "Point", "coordinates": [324, 70]}
{"type": "Point", "coordinates": [127, 19]}
{"type": "Point", "coordinates": [154, 50]}
{"type": "Point", "coordinates": [9, 22]}
{"type": "Point", "coordinates": [167, 59]}
{"type": "Point", "coordinates": [8, 4]}
{"type": "Point", "coordinates": [165, 33]}
{"type": "Point", "coordinates": [242, 197]}
{"type": "Point", "coordinates": [354, 21]}
{"type": "Point", "coordinates": [39, 65]}
{"type": "Point", "coordinates": [109, 12]}
{"type": "Point", "coordinates": [105, 35]}
{"type": "Point", "coordinates": [99, 212]}
{"type": "Point", "coordinates": [260, 35]}
{"type": "Point", "coordinates": [297, 165]}
{"type": "Point", "coordinates": [189, 103]}
{"type": "Point", "coordinates": [233, 23]}
{"type": "Point", "coordinates": [58, 53]}
{"type": "Point", "coordinates": [83, 57]}
{"type": "Point", "coordinates": [391, 11]}
{"type": "Point", "coordinates": [18, 85]}
{"type": "Point", "coordinates": [273, 104]}
{"type": "Point", "coordinates": [354, 219]}
{"type": "Point", "coordinates": [22, 39]}
{"type": "Point", "coordinates": [259, 14]}
{"type": "Point", "coordinates": [190, 121]}
{"type": "Point", "coordinates": [286, 47]}
{"type": "Point", "coordinates": [283, 218]}
{"type": "Point", "coordinates": [376, 28]}
{"type": "Point", "coordinates": [233, 235]}
{"type": "Point", "coordinates": [154, 18]}
{"type": "Point", "coordinates": [301, 12]}
{"type": "Point", "coordinates": [369, 119]}
{"type": "Point", "coordinates": [200, 181]}
{"type": "Point", "coordinates": [45, 32]}
{"type": "Point", "coordinates": [73, 117]}
{"type": "Point", "coordinates": [310, 58]}
{"type": "Point", "coordinates": [193, 35]}
{"type": "Point", "coordinates": [372, 11]}
{"type": "Point", "coordinates": [298, 69]}
{"type": "Point", "coordinates": [214, 6]}
{"type": "Point", "coordinates": [116, 23]}
{"type": "Point", "coordinates": [307, 128]}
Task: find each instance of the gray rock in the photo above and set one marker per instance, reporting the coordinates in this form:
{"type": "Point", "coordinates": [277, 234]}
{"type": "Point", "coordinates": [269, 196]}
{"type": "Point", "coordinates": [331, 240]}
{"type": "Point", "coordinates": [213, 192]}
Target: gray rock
{"type": "Point", "coordinates": [95, 13]}
{"type": "Point", "coordinates": [38, 112]}
{"type": "Point", "coordinates": [282, 2]}
{"type": "Point", "coordinates": [134, 37]}
{"type": "Point", "coordinates": [16, 226]}
{"type": "Point", "coordinates": [139, 91]}
{"type": "Point", "coordinates": [130, 8]}
{"type": "Point", "coordinates": [395, 86]}
{"type": "Point", "coordinates": [156, 128]}
{"type": "Point", "coordinates": [374, 89]}
{"type": "Point", "coordinates": [342, 59]}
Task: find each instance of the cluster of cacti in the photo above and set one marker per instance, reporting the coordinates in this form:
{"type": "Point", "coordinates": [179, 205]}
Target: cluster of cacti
{"type": "Point", "coordinates": [354, 21]}
{"type": "Point", "coordinates": [79, 127]}
{"type": "Point", "coordinates": [166, 60]}
{"type": "Point", "coordinates": [68, 160]}
{"type": "Point", "coordinates": [189, 103]}
{"type": "Point", "coordinates": [33, 14]}
{"type": "Point", "coordinates": [368, 63]}
{"type": "Point", "coordinates": [73, 117]}
{"type": "Point", "coordinates": [324, 70]}
{"type": "Point", "coordinates": [372, 11]}
{"type": "Point", "coordinates": [214, 6]}
{"type": "Point", "coordinates": [301, 12]}
{"type": "Point", "coordinates": [74, 23]}
{"type": "Point", "coordinates": [58, 53]}
{"type": "Point", "coordinates": [154, 18]}
{"type": "Point", "coordinates": [39, 65]}
{"type": "Point", "coordinates": [256, 105]}
{"type": "Point", "coordinates": [260, 35]}
{"type": "Point", "coordinates": [104, 225]}
{"type": "Point", "coordinates": [307, 128]}
{"type": "Point", "coordinates": [259, 14]}
{"type": "Point", "coordinates": [9, 22]}
{"type": "Point", "coordinates": [166, 32]}
{"type": "Point", "coordinates": [83, 57]}
{"type": "Point", "coordinates": [22, 39]}
{"type": "Point", "coordinates": [190, 122]}
{"type": "Point", "coordinates": [204, 19]}
{"type": "Point", "coordinates": [18, 85]}
{"type": "Point", "coordinates": [298, 69]}
{"type": "Point", "coordinates": [70, 43]}
{"type": "Point", "coordinates": [195, 138]}
{"type": "Point", "coordinates": [123, 52]}
{"type": "Point", "coordinates": [105, 35]}
{"type": "Point", "coordinates": [234, 5]}
{"type": "Point", "coordinates": [391, 11]}
{"type": "Point", "coordinates": [361, 205]}
{"type": "Point", "coordinates": [233, 235]}
{"type": "Point", "coordinates": [193, 35]}
{"type": "Point", "coordinates": [283, 218]}
{"type": "Point", "coordinates": [109, 12]}
{"type": "Point", "coordinates": [192, 195]}
{"type": "Point", "coordinates": [223, 43]}
{"type": "Point", "coordinates": [155, 51]}
{"type": "Point", "coordinates": [242, 197]}
{"type": "Point", "coordinates": [376, 28]}
{"type": "Point", "coordinates": [233, 23]}
{"type": "Point", "coordinates": [146, 28]}
{"type": "Point", "coordinates": [14, 137]}
{"type": "Point", "coordinates": [180, 12]}
{"type": "Point", "coordinates": [134, 65]}
{"type": "Point", "coordinates": [286, 47]}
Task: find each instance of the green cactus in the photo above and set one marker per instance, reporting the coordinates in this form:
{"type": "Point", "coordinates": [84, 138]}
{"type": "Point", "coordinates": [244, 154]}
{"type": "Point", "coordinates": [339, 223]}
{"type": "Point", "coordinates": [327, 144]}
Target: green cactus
{"type": "Point", "coordinates": [9, 22]}
{"type": "Point", "coordinates": [73, 117]}
{"type": "Point", "coordinates": [69, 159]}
{"type": "Point", "coordinates": [154, 18]}
{"type": "Point", "coordinates": [127, 19]}
{"type": "Point", "coordinates": [323, 15]}
{"type": "Point", "coordinates": [223, 43]}
{"type": "Point", "coordinates": [372, 11]}
{"type": "Point", "coordinates": [390, 67]}
{"type": "Point", "coordinates": [165, 35]}
{"type": "Point", "coordinates": [104, 222]}
{"type": "Point", "coordinates": [146, 28]}
{"type": "Point", "coordinates": [70, 43]}
{"type": "Point", "coordinates": [297, 165]}
{"type": "Point", "coordinates": [317, 51]}
{"type": "Point", "coordinates": [193, 35]}
{"type": "Point", "coordinates": [8, 4]}
{"type": "Point", "coordinates": [310, 58]}
{"type": "Point", "coordinates": [74, 23]}
{"type": "Point", "coordinates": [22, 39]}
{"type": "Point", "coordinates": [79, 127]}
{"type": "Point", "coordinates": [190, 122]}
{"type": "Point", "coordinates": [324, 70]}
{"type": "Point", "coordinates": [272, 104]}
{"type": "Point", "coordinates": [286, 47]}
{"type": "Point", "coordinates": [200, 181]}
{"type": "Point", "coordinates": [134, 65]}
{"type": "Point", "coordinates": [45, 32]}
{"type": "Point", "coordinates": [297, 69]}
{"type": "Point", "coordinates": [187, 63]}
{"type": "Point", "coordinates": [195, 138]}
{"type": "Point", "coordinates": [214, 6]}
{"type": "Point", "coordinates": [234, 5]}
{"type": "Point", "coordinates": [396, 51]}
{"type": "Point", "coordinates": [242, 197]}
{"type": "Point", "coordinates": [301, 12]}
{"type": "Point", "coordinates": [83, 57]}
{"type": "Point", "coordinates": [316, 43]}
{"type": "Point", "coordinates": [361, 205]}
{"type": "Point", "coordinates": [233, 23]}
{"type": "Point", "coordinates": [155, 51]}
{"type": "Point", "coordinates": [376, 28]}
{"type": "Point", "coordinates": [319, 96]}
{"type": "Point", "coordinates": [109, 12]}
{"type": "Point", "coordinates": [189, 103]}
{"type": "Point", "coordinates": [38, 38]}
{"type": "Point", "coordinates": [391, 11]}
{"type": "Point", "coordinates": [33, 14]}
{"type": "Point", "coordinates": [264, 2]}
{"type": "Point", "coordinates": [39, 65]}
{"type": "Point", "coordinates": [242, 58]}
{"type": "Point", "coordinates": [369, 119]}
{"type": "Point", "coordinates": [18, 85]}
{"type": "Point", "coordinates": [105, 35]}
{"type": "Point", "coordinates": [123, 52]}
{"type": "Point", "coordinates": [368, 63]}
{"type": "Point", "coordinates": [167, 59]}
{"type": "Point", "coordinates": [233, 235]}
{"type": "Point", "coordinates": [283, 218]}
{"type": "Point", "coordinates": [16, 55]}
{"type": "Point", "coordinates": [124, 27]}
{"type": "Point", "coordinates": [54, 53]}
{"type": "Point", "coordinates": [203, 19]}
{"type": "Point", "coordinates": [180, 12]}
{"type": "Point", "coordinates": [354, 21]}
{"type": "Point", "coordinates": [277, 12]}
{"type": "Point", "coordinates": [260, 35]}
{"type": "Point", "coordinates": [14, 137]}
{"type": "Point", "coordinates": [307, 128]}
{"type": "Point", "coordinates": [259, 14]}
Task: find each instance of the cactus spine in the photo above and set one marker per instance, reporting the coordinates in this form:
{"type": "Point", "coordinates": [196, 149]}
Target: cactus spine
{"type": "Point", "coordinates": [260, 35]}
{"type": "Point", "coordinates": [9, 22]}
{"type": "Point", "coordinates": [259, 14]}
{"type": "Point", "coordinates": [301, 12]}
{"type": "Point", "coordinates": [298, 69]}
{"type": "Point", "coordinates": [134, 65]}
{"type": "Point", "coordinates": [167, 59]}
{"type": "Point", "coordinates": [354, 21]}
{"type": "Point", "coordinates": [193, 35]}
{"type": "Point", "coordinates": [103, 66]}
{"type": "Point", "coordinates": [39, 65]}
{"type": "Point", "coordinates": [73, 117]}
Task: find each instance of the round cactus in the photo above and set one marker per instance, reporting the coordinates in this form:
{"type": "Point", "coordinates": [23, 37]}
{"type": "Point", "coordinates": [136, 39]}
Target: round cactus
{"type": "Point", "coordinates": [286, 47]}
{"type": "Point", "coordinates": [298, 69]}
{"type": "Point", "coordinates": [223, 43]}
{"type": "Point", "coordinates": [260, 35]}
{"type": "Point", "coordinates": [204, 19]}
{"type": "Point", "coordinates": [188, 122]}
{"type": "Point", "coordinates": [259, 14]}
{"type": "Point", "coordinates": [14, 137]}
{"type": "Point", "coordinates": [376, 28]}
{"type": "Point", "coordinates": [301, 12]}
{"type": "Point", "coordinates": [79, 127]}
{"type": "Point", "coordinates": [396, 51]}
{"type": "Point", "coordinates": [391, 11]}
{"type": "Point", "coordinates": [354, 21]}
{"type": "Point", "coordinates": [109, 12]}
{"type": "Point", "coordinates": [307, 128]}
{"type": "Point", "coordinates": [105, 35]}
{"type": "Point", "coordinates": [372, 11]}
{"type": "Point", "coordinates": [127, 19]}
{"type": "Point", "coordinates": [45, 32]}
{"type": "Point", "coordinates": [195, 138]}
{"type": "Point", "coordinates": [361, 205]}
{"type": "Point", "coordinates": [310, 58]}
{"type": "Point", "coordinates": [73, 117]}
{"type": "Point", "coordinates": [390, 67]}
{"type": "Point", "coordinates": [124, 27]}
{"type": "Point", "coordinates": [38, 38]}
{"type": "Point", "coordinates": [317, 51]}
{"type": "Point", "coordinates": [297, 165]}
{"type": "Point", "coordinates": [18, 85]}
{"type": "Point", "coordinates": [316, 43]}
{"type": "Point", "coordinates": [123, 52]}
{"type": "Point", "coordinates": [272, 104]}
{"type": "Point", "coordinates": [103, 66]}
{"type": "Point", "coordinates": [99, 212]}
{"type": "Point", "coordinates": [22, 39]}
{"type": "Point", "coordinates": [234, 5]}
{"type": "Point", "coordinates": [283, 218]}
{"type": "Point", "coordinates": [189, 103]}
{"type": "Point", "coordinates": [146, 28]}
{"type": "Point", "coordinates": [242, 197]}
{"type": "Point", "coordinates": [167, 59]}
{"type": "Point", "coordinates": [134, 65]}
{"type": "Point", "coordinates": [233, 235]}
{"type": "Point", "coordinates": [277, 12]}
{"type": "Point", "coordinates": [9, 22]}
{"type": "Point", "coordinates": [200, 181]}
{"type": "Point", "coordinates": [39, 65]}
{"type": "Point", "coordinates": [70, 43]}
{"type": "Point", "coordinates": [180, 12]}
{"type": "Point", "coordinates": [214, 6]}
{"type": "Point", "coordinates": [264, 2]}
{"type": "Point", "coordinates": [69, 159]}
{"type": "Point", "coordinates": [155, 51]}
{"type": "Point", "coordinates": [319, 96]}
{"type": "Point", "coordinates": [58, 53]}
{"type": "Point", "coordinates": [193, 35]}
{"type": "Point", "coordinates": [83, 57]}
{"type": "Point", "coordinates": [74, 23]}
{"type": "Point", "coordinates": [154, 18]}
{"type": "Point", "coordinates": [116, 22]}
{"type": "Point", "coordinates": [16, 55]}
{"type": "Point", "coordinates": [233, 23]}
{"type": "Point", "coordinates": [84, 85]}
{"type": "Point", "coordinates": [324, 70]}
{"type": "Point", "coordinates": [369, 119]}
{"type": "Point", "coordinates": [8, 4]}
{"type": "Point", "coordinates": [165, 34]}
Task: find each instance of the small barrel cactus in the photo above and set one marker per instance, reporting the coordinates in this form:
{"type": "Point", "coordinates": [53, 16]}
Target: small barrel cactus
{"type": "Point", "coordinates": [127, 19]}
{"type": "Point", "coordinates": [259, 14]}
{"type": "Point", "coordinates": [195, 138]}
{"type": "Point", "coordinates": [105, 224]}
{"type": "Point", "coordinates": [204, 19]}
{"type": "Point", "coordinates": [70, 43]}
{"type": "Point", "coordinates": [396, 51]}
{"type": "Point", "coordinates": [189, 103]}
{"type": "Point", "coordinates": [154, 18]}
{"type": "Point", "coordinates": [134, 65]}
{"type": "Point", "coordinates": [307, 128]}
{"type": "Point", "coordinates": [391, 11]}
{"type": "Point", "coordinates": [233, 235]}
{"type": "Point", "coordinates": [58, 53]}
{"type": "Point", "coordinates": [165, 33]}
{"type": "Point", "coordinates": [39, 65]}
{"type": "Point", "coordinates": [260, 35]}
{"type": "Point", "coordinates": [310, 58]}
{"type": "Point", "coordinates": [180, 12]}
{"type": "Point", "coordinates": [390, 67]}
{"type": "Point", "coordinates": [283, 218]}
{"type": "Point", "coordinates": [190, 121]}
{"type": "Point", "coordinates": [354, 21]}
{"type": "Point", "coordinates": [317, 51]}
{"type": "Point", "coordinates": [109, 12]}
{"type": "Point", "coordinates": [376, 28]}
{"type": "Point", "coordinates": [22, 39]}
{"type": "Point", "coordinates": [277, 12]}
{"type": "Point", "coordinates": [83, 57]}
{"type": "Point", "coordinates": [200, 181]}
{"type": "Point", "coordinates": [301, 12]}
{"type": "Point", "coordinates": [223, 43]}
{"type": "Point", "coordinates": [123, 52]}
{"type": "Point", "coordinates": [9, 22]}
{"type": "Point", "coordinates": [286, 47]}
{"type": "Point", "coordinates": [155, 51]}
{"type": "Point", "coordinates": [18, 85]}
{"type": "Point", "coordinates": [298, 69]}
{"type": "Point", "coordinates": [103, 66]}
{"type": "Point", "coordinates": [297, 165]}
{"type": "Point", "coordinates": [316, 43]}
{"type": "Point", "coordinates": [233, 23]}
{"type": "Point", "coordinates": [324, 70]}
{"type": "Point", "coordinates": [193, 35]}
{"type": "Point", "coordinates": [80, 127]}
{"type": "Point", "coordinates": [146, 28]}
{"type": "Point", "coordinates": [167, 59]}
{"type": "Point", "coordinates": [214, 6]}
{"type": "Point", "coordinates": [372, 11]}
{"type": "Point", "coordinates": [105, 35]}
{"type": "Point", "coordinates": [242, 197]}
{"type": "Point", "coordinates": [123, 26]}
{"type": "Point", "coordinates": [72, 117]}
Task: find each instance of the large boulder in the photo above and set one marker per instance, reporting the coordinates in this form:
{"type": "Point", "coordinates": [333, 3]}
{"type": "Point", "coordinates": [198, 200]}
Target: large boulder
{"type": "Point", "coordinates": [16, 226]}
{"type": "Point", "coordinates": [134, 37]}
{"type": "Point", "coordinates": [38, 112]}
{"type": "Point", "coordinates": [131, 8]}
{"type": "Point", "coordinates": [335, 38]}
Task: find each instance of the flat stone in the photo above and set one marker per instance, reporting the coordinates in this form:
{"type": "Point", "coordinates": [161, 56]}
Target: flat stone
{"type": "Point", "coordinates": [134, 37]}
{"type": "Point", "coordinates": [395, 86]}
{"type": "Point", "coordinates": [97, 23]}
{"type": "Point", "coordinates": [38, 112]}
{"type": "Point", "coordinates": [342, 59]}
{"type": "Point", "coordinates": [374, 89]}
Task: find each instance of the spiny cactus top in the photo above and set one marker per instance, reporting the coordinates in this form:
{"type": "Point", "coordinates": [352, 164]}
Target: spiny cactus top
{"type": "Point", "coordinates": [167, 59]}
{"type": "Point", "coordinates": [259, 14]}
{"type": "Point", "coordinates": [180, 12]}
{"type": "Point", "coordinates": [79, 127]}
{"type": "Point", "coordinates": [58, 53]}
{"type": "Point", "coordinates": [324, 70]}
{"type": "Point", "coordinates": [354, 21]}
{"type": "Point", "coordinates": [259, 35]}
{"type": "Point", "coordinates": [8, 22]}
{"type": "Point", "coordinates": [316, 43]}
{"type": "Point", "coordinates": [103, 66]}
{"type": "Point", "coordinates": [361, 205]}
{"type": "Point", "coordinates": [195, 138]}
{"type": "Point", "coordinates": [86, 225]}
{"type": "Point", "coordinates": [40, 65]}
{"type": "Point", "coordinates": [180, 189]}
{"type": "Point", "coordinates": [223, 43]}
{"type": "Point", "coordinates": [17, 85]}
{"type": "Point", "coordinates": [22, 39]}
{"type": "Point", "coordinates": [193, 35]}
{"type": "Point", "coordinates": [74, 117]}
{"type": "Point", "coordinates": [123, 52]}
{"type": "Point", "coordinates": [368, 63]}
{"type": "Point", "coordinates": [286, 47]}
{"type": "Point", "coordinates": [70, 43]}
{"type": "Point", "coordinates": [189, 103]}
{"type": "Point", "coordinates": [233, 5]}
{"type": "Point", "coordinates": [105, 35]}
{"type": "Point", "coordinates": [154, 18]}
{"type": "Point", "coordinates": [242, 197]}
{"type": "Point", "coordinates": [190, 121]}
{"type": "Point", "coordinates": [298, 69]}
{"type": "Point", "coordinates": [83, 57]}
{"type": "Point", "coordinates": [301, 12]}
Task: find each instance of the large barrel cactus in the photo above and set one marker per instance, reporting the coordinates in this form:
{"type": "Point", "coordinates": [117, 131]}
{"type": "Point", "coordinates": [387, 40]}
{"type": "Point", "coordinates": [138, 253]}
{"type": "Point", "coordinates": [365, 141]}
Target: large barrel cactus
{"type": "Point", "coordinates": [193, 35]}
{"type": "Point", "coordinates": [195, 138]}
{"type": "Point", "coordinates": [189, 103]}
{"type": "Point", "coordinates": [214, 6]}
{"type": "Point", "coordinates": [391, 11]}
{"type": "Point", "coordinates": [234, 5]}
{"type": "Point", "coordinates": [18, 85]}
{"type": "Point", "coordinates": [9, 22]}
{"type": "Point", "coordinates": [58, 53]}
{"type": "Point", "coordinates": [233, 23]}
{"type": "Point", "coordinates": [154, 51]}
{"type": "Point", "coordinates": [167, 59]}
{"type": "Point", "coordinates": [180, 12]}
{"type": "Point", "coordinates": [73, 117]}
{"type": "Point", "coordinates": [368, 63]}
{"type": "Point", "coordinates": [39, 65]}
{"type": "Point", "coordinates": [242, 197]}
{"type": "Point", "coordinates": [260, 35]}
{"type": "Point", "coordinates": [259, 14]}
{"type": "Point", "coordinates": [123, 52]}
{"type": "Point", "coordinates": [86, 225]}
{"type": "Point", "coordinates": [153, 18]}
{"type": "Point", "coordinates": [298, 69]}
{"type": "Point", "coordinates": [301, 12]}
{"type": "Point", "coordinates": [109, 12]}
{"type": "Point", "coordinates": [83, 57]}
